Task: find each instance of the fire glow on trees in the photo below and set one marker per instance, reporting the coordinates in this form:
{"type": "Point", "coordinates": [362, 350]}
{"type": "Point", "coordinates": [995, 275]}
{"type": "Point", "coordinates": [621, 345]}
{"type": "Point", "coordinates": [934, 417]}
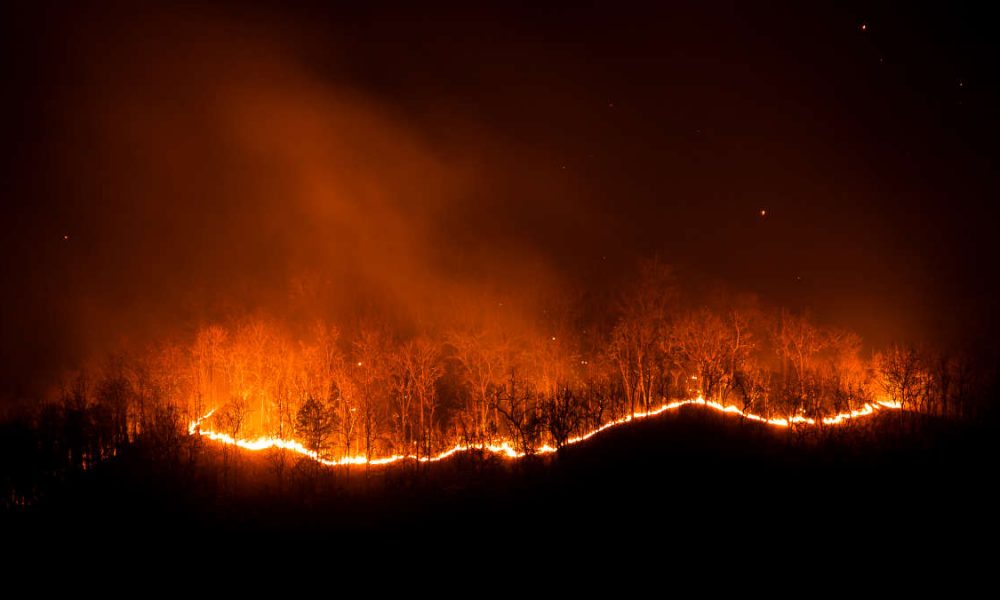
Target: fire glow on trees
{"type": "Point", "coordinates": [506, 449]}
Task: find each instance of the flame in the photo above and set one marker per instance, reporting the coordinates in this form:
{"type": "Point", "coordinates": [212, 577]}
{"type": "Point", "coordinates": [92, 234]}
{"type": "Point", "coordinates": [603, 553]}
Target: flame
{"type": "Point", "coordinates": [507, 450]}
{"type": "Point", "coordinates": [195, 426]}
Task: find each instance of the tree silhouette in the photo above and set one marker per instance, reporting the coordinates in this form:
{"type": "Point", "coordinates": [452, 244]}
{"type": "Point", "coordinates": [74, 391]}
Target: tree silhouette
{"type": "Point", "coordinates": [314, 423]}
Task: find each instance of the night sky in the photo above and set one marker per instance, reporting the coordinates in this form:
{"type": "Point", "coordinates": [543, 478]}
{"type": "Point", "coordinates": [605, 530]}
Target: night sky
{"type": "Point", "coordinates": [168, 165]}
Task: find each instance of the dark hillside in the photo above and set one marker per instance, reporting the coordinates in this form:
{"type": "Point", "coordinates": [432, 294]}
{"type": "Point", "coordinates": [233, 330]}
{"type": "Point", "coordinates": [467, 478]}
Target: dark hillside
{"type": "Point", "coordinates": [690, 477]}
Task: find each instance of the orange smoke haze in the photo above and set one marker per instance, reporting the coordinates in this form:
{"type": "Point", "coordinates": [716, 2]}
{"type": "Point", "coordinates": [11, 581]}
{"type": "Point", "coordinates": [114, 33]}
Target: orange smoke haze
{"type": "Point", "coordinates": [180, 166]}
{"type": "Point", "coordinates": [213, 174]}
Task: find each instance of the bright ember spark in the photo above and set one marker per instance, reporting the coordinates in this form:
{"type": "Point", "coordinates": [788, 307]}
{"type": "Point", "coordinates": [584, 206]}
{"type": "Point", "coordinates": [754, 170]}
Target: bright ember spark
{"type": "Point", "coordinates": [506, 449]}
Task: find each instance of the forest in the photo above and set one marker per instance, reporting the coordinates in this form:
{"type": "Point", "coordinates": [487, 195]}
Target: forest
{"type": "Point", "coordinates": [370, 392]}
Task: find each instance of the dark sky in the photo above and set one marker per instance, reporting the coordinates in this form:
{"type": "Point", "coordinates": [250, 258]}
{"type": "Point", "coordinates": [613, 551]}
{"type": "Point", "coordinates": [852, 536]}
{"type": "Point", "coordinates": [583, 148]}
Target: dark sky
{"type": "Point", "coordinates": [295, 155]}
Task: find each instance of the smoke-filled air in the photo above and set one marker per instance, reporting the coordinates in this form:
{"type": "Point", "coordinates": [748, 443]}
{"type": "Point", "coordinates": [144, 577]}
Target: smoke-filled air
{"type": "Point", "coordinates": [284, 269]}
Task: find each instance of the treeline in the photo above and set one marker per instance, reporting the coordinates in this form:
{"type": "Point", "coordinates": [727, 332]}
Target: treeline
{"type": "Point", "coordinates": [484, 379]}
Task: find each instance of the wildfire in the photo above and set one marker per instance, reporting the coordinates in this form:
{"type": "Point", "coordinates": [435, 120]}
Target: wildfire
{"type": "Point", "coordinates": [507, 450]}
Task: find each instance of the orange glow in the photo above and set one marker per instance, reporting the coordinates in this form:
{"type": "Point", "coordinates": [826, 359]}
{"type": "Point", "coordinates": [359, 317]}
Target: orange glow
{"type": "Point", "coordinates": [506, 448]}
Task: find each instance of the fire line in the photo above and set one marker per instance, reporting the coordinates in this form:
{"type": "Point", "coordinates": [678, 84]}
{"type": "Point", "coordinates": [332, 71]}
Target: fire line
{"type": "Point", "coordinates": [506, 449]}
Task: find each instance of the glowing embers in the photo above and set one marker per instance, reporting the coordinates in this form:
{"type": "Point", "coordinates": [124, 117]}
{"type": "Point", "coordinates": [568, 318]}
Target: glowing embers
{"type": "Point", "coordinates": [507, 450]}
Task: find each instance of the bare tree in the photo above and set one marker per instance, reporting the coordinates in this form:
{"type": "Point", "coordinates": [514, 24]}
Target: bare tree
{"type": "Point", "coordinates": [635, 340]}
{"type": "Point", "coordinates": [752, 383]}
{"type": "Point", "coordinates": [798, 342]}
{"type": "Point", "coordinates": [516, 403]}
{"type": "Point", "coordinates": [421, 363]}
{"type": "Point", "coordinates": [209, 363]}
{"type": "Point", "coordinates": [115, 393]}
{"type": "Point", "coordinates": [563, 415]}
{"type": "Point", "coordinates": [233, 416]}
{"type": "Point", "coordinates": [843, 372]}
{"type": "Point", "coordinates": [902, 377]}
{"type": "Point", "coordinates": [702, 342]}
{"type": "Point", "coordinates": [482, 359]}
{"type": "Point", "coordinates": [371, 353]}
{"type": "Point", "coordinates": [347, 417]}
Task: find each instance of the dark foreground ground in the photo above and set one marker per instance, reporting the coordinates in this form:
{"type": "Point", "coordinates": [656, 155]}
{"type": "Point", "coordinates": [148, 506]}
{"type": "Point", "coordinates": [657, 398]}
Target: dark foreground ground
{"type": "Point", "coordinates": [899, 488]}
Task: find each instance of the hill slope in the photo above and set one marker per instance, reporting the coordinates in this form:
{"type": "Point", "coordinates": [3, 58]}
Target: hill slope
{"type": "Point", "coordinates": [688, 477]}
